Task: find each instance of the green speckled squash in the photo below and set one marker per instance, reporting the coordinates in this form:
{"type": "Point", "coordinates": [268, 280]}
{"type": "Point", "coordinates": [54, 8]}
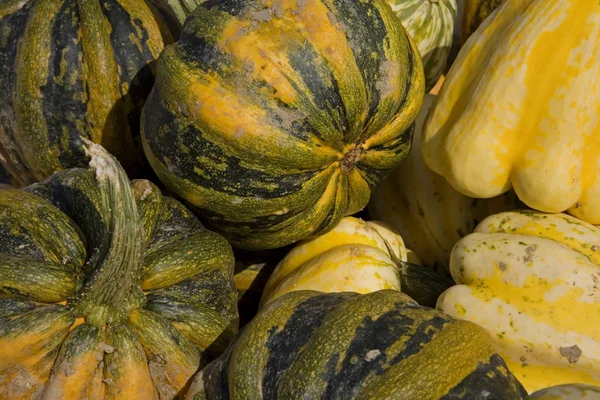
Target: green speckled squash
{"type": "Point", "coordinates": [276, 119]}
{"type": "Point", "coordinates": [179, 9]}
{"type": "Point", "coordinates": [430, 23]}
{"type": "Point", "coordinates": [72, 69]}
{"type": "Point", "coordinates": [381, 345]}
{"type": "Point", "coordinates": [108, 290]}
{"type": "Point", "coordinates": [475, 12]}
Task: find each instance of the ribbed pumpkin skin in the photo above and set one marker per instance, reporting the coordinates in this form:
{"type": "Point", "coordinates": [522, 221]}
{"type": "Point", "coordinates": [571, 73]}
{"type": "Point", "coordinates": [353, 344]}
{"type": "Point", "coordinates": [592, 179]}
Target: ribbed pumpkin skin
{"type": "Point", "coordinates": [542, 138]}
{"type": "Point", "coordinates": [430, 24]}
{"type": "Point", "coordinates": [380, 345]}
{"type": "Point", "coordinates": [71, 69]}
{"type": "Point", "coordinates": [475, 12]}
{"type": "Point", "coordinates": [355, 256]}
{"type": "Point", "coordinates": [569, 391]}
{"type": "Point", "coordinates": [57, 242]}
{"type": "Point", "coordinates": [277, 119]}
{"type": "Point", "coordinates": [426, 211]}
{"type": "Point", "coordinates": [531, 280]}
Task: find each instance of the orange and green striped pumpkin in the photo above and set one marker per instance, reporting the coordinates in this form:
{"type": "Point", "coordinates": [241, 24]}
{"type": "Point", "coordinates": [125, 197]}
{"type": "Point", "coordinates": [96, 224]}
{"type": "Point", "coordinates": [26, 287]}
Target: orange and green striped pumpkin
{"type": "Point", "coordinates": [71, 69]}
{"type": "Point", "coordinates": [381, 345]}
{"type": "Point", "coordinates": [108, 290]}
{"type": "Point", "coordinates": [276, 119]}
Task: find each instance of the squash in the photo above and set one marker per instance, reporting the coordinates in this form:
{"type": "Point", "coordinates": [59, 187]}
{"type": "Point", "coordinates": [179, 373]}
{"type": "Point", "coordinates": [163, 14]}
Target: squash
{"type": "Point", "coordinates": [531, 279]}
{"type": "Point", "coordinates": [475, 12]}
{"type": "Point", "coordinates": [427, 212]}
{"type": "Point", "coordinates": [430, 23]}
{"type": "Point", "coordinates": [568, 391]}
{"type": "Point", "coordinates": [178, 9]}
{"type": "Point", "coordinates": [108, 290]}
{"type": "Point", "coordinates": [542, 139]}
{"type": "Point", "coordinates": [356, 256]}
{"type": "Point", "coordinates": [274, 120]}
{"type": "Point", "coordinates": [380, 345]}
{"type": "Point", "coordinates": [75, 69]}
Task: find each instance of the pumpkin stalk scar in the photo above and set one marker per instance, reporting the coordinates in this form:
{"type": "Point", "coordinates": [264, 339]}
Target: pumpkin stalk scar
{"type": "Point", "coordinates": [351, 158]}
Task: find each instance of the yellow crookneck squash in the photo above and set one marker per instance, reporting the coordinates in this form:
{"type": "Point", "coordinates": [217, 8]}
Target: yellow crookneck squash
{"type": "Point", "coordinates": [532, 280]}
{"type": "Point", "coordinates": [356, 256]}
{"type": "Point", "coordinates": [520, 109]}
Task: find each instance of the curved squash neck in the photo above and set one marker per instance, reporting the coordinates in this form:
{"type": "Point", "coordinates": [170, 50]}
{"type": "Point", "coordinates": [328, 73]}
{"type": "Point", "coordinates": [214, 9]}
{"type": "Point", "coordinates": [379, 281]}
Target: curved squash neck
{"type": "Point", "coordinates": [112, 289]}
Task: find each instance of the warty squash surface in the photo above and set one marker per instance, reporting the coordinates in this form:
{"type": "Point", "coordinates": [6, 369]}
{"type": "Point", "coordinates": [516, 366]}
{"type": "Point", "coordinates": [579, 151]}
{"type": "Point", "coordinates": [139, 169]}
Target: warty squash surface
{"type": "Point", "coordinates": [275, 119]}
{"type": "Point", "coordinates": [531, 279]}
{"type": "Point", "coordinates": [518, 109]}
{"type": "Point", "coordinates": [380, 345]}
{"type": "Point", "coordinates": [108, 290]}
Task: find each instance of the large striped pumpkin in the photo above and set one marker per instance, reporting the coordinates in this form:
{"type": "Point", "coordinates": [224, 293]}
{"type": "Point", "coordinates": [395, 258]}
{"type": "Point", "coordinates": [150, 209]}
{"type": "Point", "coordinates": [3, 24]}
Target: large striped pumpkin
{"type": "Point", "coordinates": [518, 109]}
{"type": "Point", "coordinates": [381, 345]}
{"type": "Point", "coordinates": [71, 69]}
{"type": "Point", "coordinates": [531, 279]}
{"type": "Point", "coordinates": [430, 23]}
{"type": "Point", "coordinates": [276, 119]}
{"type": "Point", "coordinates": [107, 290]}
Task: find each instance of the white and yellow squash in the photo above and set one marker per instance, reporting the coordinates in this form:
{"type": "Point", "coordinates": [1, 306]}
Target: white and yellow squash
{"type": "Point", "coordinates": [519, 109]}
{"type": "Point", "coordinates": [428, 213]}
{"type": "Point", "coordinates": [533, 281]}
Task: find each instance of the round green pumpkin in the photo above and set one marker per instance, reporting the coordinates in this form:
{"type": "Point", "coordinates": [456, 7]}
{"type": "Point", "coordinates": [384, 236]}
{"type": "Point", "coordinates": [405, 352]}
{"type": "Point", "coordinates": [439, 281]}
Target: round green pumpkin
{"type": "Point", "coordinates": [276, 119]}
{"type": "Point", "coordinates": [381, 345]}
{"type": "Point", "coordinates": [107, 289]}
{"type": "Point", "coordinates": [72, 69]}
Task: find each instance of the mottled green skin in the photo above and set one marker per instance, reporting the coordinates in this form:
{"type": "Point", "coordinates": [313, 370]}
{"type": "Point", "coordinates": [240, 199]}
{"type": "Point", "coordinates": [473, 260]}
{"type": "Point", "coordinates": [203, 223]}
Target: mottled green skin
{"type": "Point", "coordinates": [272, 132]}
{"type": "Point", "coordinates": [89, 243]}
{"type": "Point", "coordinates": [349, 346]}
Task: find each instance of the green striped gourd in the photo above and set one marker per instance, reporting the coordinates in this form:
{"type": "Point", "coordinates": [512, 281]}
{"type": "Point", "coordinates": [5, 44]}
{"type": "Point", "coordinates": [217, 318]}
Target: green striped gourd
{"type": "Point", "coordinates": [108, 290]}
{"type": "Point", "coordinates": [276, 119]}
{"type": "Point", "coordinates": [381, 345]}
{"type": "Point", "coordinates": [430, 23]}
{"type": "Point", "coordinates": [72, 69]}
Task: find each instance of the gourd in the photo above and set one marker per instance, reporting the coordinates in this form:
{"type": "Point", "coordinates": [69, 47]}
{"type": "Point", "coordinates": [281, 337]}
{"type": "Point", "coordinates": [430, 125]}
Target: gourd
{"type": "Point", "coordinates": [75, 69]}
{"type": "Point", "coordinates": [427, 212]}
{"type": "Point", "coordinates": [380, 345]}
{"type": "Point", "coordinates": [475, 12]}
{"type": "Point", "coordinates": [531, 279]}
{"type": "Point", "coordinates": [541, 139]}
{"type": "Point", "coordinates": [356, 256]}
{"type": "Point", "coordinates": [430, 23]}
{"type": "Point", "coordinates": [567, 391]}
{"type": "Point", "coordinates": [273, 120]}
{"type": "Point", "coordinates": [107, 288]}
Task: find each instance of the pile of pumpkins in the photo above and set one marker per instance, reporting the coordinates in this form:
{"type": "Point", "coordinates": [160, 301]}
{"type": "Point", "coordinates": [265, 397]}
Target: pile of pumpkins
{"type": "Point", "coordinates": [294, 199]}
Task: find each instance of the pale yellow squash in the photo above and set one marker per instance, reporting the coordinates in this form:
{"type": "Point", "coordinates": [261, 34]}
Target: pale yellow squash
{"type": "Point", "coordinates": [533, 281]}
{"type": "Point", "coordinates": [519, 109]}
{"type": "Point", "coordinates": [353, 257]}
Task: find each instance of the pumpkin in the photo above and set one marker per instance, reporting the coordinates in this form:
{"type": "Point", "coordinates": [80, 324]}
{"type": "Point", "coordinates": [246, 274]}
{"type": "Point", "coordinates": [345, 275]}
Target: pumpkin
{"type": "Point", "coordinates": [356, 256]}
{"type": "Point", "coordinates": [568, 391]}
{"type": "Point", "coordinates": [107, 289]}
{"type": "Point", "coordinates": [72, 69]}
{"type": "Point", "coordinates": [475, 12]}
{"type": "Point", "coordinates": [178, 9]}
{"type": "Point", "coordinates": [531, 279]}
{"type": "Point", "coordinates": [430, 23]}
{"type": "Point", "coordinates": [427, 212]}
{"type": "Point", "coordinates": [274, 120]}
{"type": "Point", "coordinates": [380, 345]}
{"type": "Point", "coordinates": [541, 139]}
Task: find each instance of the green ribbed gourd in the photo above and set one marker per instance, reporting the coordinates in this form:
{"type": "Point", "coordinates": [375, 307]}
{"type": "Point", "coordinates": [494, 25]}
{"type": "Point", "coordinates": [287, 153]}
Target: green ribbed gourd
{"type": "Point", "coordinates": [108, 290]}
{"type": "Point", "coordinates": [72, 69]}
{"type": "Point", "coordinates": [430, 23]}
{"type": "Point", "coordinates": [274, 119]}
{"type": "Point", "coordinates": [381, 345]}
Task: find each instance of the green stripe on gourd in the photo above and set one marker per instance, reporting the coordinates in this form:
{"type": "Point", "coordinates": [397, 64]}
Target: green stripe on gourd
{"type": "Point", "coordinates": [430, 23]}
{"type": "Point", "coordinates": [275, 142]}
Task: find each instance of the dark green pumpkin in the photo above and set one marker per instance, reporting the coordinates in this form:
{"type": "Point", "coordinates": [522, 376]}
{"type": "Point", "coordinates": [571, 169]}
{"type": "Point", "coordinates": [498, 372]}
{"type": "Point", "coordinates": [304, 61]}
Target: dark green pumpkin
{"type": "Point", "coordinates": [71, 69]}
{"type": "Point", "coordinates": [107, 289]}
{"type": "Point", "coordinates": [382, 345]}
{"type": "Point", "coordinates": [276, 119]}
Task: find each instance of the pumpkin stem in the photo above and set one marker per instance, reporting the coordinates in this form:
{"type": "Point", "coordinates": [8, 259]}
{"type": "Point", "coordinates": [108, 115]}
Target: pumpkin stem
{"type": "Point", "coordinates": [351, 158]}
{"type": "Point", "coordinates": [109, 293]}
